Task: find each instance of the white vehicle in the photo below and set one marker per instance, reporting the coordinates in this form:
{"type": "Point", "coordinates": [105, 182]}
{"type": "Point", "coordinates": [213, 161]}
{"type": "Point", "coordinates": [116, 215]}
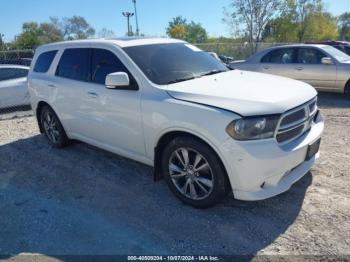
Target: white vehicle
{"type": "Point", "coordinates": [207, 130]}
{"type": "Point", "coordinates": [13, 86]}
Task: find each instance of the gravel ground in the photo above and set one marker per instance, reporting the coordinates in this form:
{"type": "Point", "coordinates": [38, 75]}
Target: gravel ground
{"type": "Point", "coordinates": [81, 200]}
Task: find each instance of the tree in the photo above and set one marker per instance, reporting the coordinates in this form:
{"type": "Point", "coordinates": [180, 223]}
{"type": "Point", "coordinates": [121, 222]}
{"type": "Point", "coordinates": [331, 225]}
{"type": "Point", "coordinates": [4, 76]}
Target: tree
{"type": "Point", "coordinates": [76, 27]}
{"type": "Point", "coordinates": [178, 32]}
{"type": "Point", "coordinates": [301, 21]}
{"type": "Point", "coordinates": [304, 11]}
{"type": "Point", "coordinates": [2, 43]}
{"type": "Point", "coordinates": [322, 26]}
{"type": "Point", "coordinates": [196, 33]}
{"type": "Point", "coordinates": [106, 33]}
{"type": "Point", "coordinates": [192, 32]}
{"type": "Point", "coordinates": [252, 16]}
{"type": "Point", "coordinates": [29, 38]}
{"type": "Point", "coordinates": [344, 26]}
{"type": "Point", "coordinates": [175, 23]}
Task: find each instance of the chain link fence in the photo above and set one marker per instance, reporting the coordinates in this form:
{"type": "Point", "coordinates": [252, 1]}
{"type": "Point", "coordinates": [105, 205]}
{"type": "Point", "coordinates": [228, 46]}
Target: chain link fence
{"type": "Point", "coordinates": [14, 96]}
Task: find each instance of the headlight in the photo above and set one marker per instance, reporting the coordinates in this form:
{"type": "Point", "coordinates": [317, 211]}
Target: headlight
{"type": "Point", "coordinates": [253, 128]}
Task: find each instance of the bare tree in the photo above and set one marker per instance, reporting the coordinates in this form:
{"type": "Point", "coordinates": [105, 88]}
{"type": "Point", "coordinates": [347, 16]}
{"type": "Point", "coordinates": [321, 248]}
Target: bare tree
{"type": "Point", "coordinates": [76, 27]}
{"type": "Point", "coordinates": [248, 18]}
{"type": "Point", "coordinates": [106, 33]}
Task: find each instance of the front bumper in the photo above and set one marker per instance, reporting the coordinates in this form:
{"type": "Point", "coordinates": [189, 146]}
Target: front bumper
{"type": "Point", "coordinates": [262, 169]}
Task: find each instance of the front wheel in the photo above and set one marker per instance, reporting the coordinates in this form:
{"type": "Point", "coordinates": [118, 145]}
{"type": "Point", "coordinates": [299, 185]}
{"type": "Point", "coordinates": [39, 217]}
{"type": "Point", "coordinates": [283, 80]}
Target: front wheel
{"type": "Point", "coordinates": [53, 128]}
{"type": "Point", "coordinates": [194, 172]}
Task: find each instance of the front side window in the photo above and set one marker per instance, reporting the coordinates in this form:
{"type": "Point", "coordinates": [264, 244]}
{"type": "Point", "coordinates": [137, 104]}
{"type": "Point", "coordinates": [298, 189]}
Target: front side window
{"type": "Point", "coordinates": [75, 64]}
{"type": "Point", "coordinates": [12, 73]}
{"type": "Point", "coordinates": [170, 63]}
{"type": "Point", "coordinates": [44, 61]}
{"type": "Point", "coordinates": [335, 53]}
{"type": "Point", "coordinates": [280, 56]}
{"type": "Point", "coordinates": [310, 56]}
{"type": "Point", "coordinates": [104, 62]}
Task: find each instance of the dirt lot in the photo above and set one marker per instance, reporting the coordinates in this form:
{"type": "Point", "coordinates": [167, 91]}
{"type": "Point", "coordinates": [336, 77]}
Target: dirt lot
{"type": "Point", "coordinates": [82, 200]}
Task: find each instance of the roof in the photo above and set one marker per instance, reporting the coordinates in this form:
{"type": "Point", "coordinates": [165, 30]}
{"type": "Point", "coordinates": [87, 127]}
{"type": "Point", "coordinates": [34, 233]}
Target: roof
{"type": "Point", "coordinates": [121, 42]}
{"type": "Point", "coordinates": [14, 66]}
{"type": "Point", "coordinates": [300, 45]}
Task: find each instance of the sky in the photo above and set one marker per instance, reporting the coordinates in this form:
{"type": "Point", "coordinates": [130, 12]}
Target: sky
{"type": "Point", "coordinates": [154, 15]}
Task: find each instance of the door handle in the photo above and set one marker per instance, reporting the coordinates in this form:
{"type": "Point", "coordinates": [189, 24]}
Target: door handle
{"type": "Point", "coordinates": [266, 67]}
{"type": "Point", "coordinates": [92, 95]}
{"type": "Point", "coordinates": [299, 68]}
{"type": "Point", "coordinates": [51, 85]}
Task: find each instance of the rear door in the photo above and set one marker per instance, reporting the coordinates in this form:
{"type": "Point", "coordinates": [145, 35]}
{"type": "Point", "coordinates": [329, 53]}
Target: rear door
{"type": "Point", "coordinates": [13, 87]}
{"type": "Point", "coordinates": [309, 68]}
{"type": "Point", "coordinates": [279, 62]}
{"type": "Point", "coordinates": [70, 85]}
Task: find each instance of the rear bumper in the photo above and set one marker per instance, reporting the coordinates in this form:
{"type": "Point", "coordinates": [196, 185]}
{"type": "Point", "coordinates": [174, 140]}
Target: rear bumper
{"type": "Point", "coordinates": [259, 170]}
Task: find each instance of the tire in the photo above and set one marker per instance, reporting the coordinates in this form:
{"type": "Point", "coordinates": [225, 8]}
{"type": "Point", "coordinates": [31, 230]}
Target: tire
{"type": "Point", "coordinates": [52, 128]}
{"type": "Point", "coordinates": [347, 89]}
{"type": "Point", "coordinates": [199, 184]}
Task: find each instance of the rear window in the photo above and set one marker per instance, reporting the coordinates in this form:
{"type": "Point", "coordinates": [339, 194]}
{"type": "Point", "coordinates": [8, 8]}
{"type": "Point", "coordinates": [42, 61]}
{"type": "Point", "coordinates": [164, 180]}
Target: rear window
{"type": "Point", "coordinates": [44, 61]}
{"type": "Point", "coordinates": [75, 64]}
{"type": "Point", "coordinates": [12, 73]}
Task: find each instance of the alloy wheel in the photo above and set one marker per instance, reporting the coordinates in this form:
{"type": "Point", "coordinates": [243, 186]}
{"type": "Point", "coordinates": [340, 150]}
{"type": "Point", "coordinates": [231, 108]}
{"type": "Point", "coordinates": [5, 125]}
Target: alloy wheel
{"type": "Point", "coordinates": [51, 127]}
{"type": "Point", "coordinates": [191, 174]}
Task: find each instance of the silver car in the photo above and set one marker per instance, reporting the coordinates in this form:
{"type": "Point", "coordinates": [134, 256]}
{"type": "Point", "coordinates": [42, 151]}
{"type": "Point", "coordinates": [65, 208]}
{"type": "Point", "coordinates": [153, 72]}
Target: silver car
{"type": "Point", "coordinates": [324, 67]}
{"type": "Point", "coordinates": [13, 86]}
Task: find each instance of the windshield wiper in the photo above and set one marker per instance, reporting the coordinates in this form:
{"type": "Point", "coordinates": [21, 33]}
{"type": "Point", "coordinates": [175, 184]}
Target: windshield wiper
{"type": "Point", "coordinates": [213, 72]}
{"type": "Point", "coordinates": [181, 80]}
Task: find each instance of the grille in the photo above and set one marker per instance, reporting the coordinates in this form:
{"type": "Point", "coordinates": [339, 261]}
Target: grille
{"type": "Point", "coordinates": [296, 122]}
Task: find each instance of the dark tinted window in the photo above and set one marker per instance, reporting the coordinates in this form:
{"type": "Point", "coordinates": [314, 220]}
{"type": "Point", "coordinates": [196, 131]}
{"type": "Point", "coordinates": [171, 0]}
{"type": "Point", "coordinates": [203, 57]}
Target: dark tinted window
{"type": "Point", "coordinates": [44, 61]}
{"type": "Point", "coordinates": [12, 73]}
{"type": "Point", "coordinates": [168, 63]}
{"type": "Point", "coordinates": [75, 64]}
{"type": "Point", "coordinates": [105, 62]}
{"type": "Point", "coordinates": [347, 49]}
{"type": "Point", "coordinates": [280, 56]}
{"type": "Point", "coordinates": [310, 56]}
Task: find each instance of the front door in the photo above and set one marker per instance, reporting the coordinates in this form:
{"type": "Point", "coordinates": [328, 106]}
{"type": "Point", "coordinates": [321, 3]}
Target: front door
{"type": "Point", "coordinates": [309, 69]}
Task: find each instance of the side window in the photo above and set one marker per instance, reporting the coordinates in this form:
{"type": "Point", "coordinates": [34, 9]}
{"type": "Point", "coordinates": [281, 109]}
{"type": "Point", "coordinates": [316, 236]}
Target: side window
{"type": "Point", "coordinates": [347, 49]}
{"type": "Point", "coordinates": [280, 56]}
{"type": "Point", "coordinates": [19, 73]}
{"type": "Point", "coordinates": [12, 73]}
{"type": "Point", "coordinates": [44, 61]}
{"type": "Point", "coordinates": [309, 56]}
{"type": "Point", "coordinates": [75, 64]}
{"type": "Point", "coordinates": [104, 62]}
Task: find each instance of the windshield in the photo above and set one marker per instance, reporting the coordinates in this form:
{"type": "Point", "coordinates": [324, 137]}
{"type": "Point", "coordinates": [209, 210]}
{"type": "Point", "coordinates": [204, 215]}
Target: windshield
{"type": "Point", "coordinates": [165, 64]}
{"type": "Point", "coordinates": [335, 53]}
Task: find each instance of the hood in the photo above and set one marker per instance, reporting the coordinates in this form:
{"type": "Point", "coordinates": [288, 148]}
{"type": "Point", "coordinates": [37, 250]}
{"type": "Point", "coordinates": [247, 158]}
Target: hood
{"type": "Point", "coordinates": [244, 93]}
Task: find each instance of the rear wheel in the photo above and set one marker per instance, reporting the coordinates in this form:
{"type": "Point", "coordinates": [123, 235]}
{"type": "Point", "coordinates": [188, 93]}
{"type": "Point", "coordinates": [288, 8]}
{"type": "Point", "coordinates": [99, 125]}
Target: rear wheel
{"type": "Point", "coordinates": [194, 172]}
{"type": "Point", "coordinates": [53, 128]}
{"type": "Point", "coordinates": [347, 89]}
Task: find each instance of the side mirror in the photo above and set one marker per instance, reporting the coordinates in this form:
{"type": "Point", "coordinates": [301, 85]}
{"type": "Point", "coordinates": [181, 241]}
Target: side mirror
{"type": "Point", "coordinates": [118, 79]}
{"type": "Point", "coordinates": [327, 61]}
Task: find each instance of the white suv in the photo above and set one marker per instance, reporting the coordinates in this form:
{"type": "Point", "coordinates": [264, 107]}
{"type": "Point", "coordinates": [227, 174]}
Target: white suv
{"type": "Point", "coordinates": [206, 129]}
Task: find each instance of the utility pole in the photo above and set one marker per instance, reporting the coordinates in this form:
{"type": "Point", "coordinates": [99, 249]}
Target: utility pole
{"type": "Point", "coordinates": [136, 17]}
{"type": "Point", "coordinates": [128, 15]}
